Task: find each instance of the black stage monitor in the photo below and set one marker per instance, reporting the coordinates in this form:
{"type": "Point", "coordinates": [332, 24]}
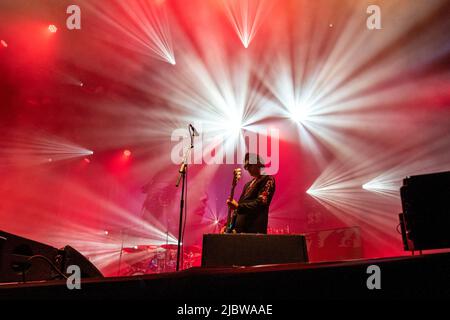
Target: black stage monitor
{"type": "Point", "coordinates": [426, 211]}
{"type": "Point", "coordinates": [227, 250]}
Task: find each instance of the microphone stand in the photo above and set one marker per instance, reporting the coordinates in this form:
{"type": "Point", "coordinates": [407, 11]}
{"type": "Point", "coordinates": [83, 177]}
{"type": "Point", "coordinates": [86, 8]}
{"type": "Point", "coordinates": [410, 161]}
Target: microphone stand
{"type": "Point", "coordinates": [182, 177]}
{"type": "Point", "coordinates": [121, 249]}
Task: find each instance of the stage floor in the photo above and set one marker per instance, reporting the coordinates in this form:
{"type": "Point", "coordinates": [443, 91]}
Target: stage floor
{"type": "Point", "coordinates": [424, 276]}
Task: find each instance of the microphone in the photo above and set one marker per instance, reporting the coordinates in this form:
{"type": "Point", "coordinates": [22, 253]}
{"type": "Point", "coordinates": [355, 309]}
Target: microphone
{"type": "Point", "coordinates": [194, 131]}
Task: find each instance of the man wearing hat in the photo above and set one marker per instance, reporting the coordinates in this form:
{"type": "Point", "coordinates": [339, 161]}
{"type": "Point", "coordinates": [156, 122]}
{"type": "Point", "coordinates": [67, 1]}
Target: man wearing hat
{"type": "Point", "coordinates": [252, 209]}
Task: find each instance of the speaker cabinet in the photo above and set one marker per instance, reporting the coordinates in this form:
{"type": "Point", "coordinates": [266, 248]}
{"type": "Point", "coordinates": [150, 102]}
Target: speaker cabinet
{"type": "Point", "coordinates": [16, 265]}
{"type": "Point", "coordinates": [226, 250]}
{"type": "Point", "coordinates": [73, 257]}
{"type": "Point", "coordinates": [426, 211]}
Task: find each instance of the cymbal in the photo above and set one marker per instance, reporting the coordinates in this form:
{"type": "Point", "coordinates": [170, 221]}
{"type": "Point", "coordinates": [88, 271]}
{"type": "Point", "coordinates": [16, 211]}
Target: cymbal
{"type": "Point", "coordinates": [140, 248]}
{"type": "Point", "coordinates": [195, 249]}
{"type": "Point", "coordinates": [169, 246]}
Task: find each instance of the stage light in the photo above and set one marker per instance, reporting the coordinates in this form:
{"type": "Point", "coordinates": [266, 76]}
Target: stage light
{"type": "Point", "coordinates": [87, 160]}
{"type": "Point", "coordinates": [216, 222]}
{"type": "Point", "coordinates": [234, 127]}
{"type": "Point", "coordinates": [105, 232]}
{"type": "Point", "coordinates": [126, 153]}
{"type": "Point", "coordinates": [28, 148]}
{"type": "Point", "coordinates": [300, 114]}
{"type": "Point", "coordinates": [246, 17]}
{"type": "Point", "coordinates": [151, 36]}
{"type": "Point", "coordinates": [4, 44]}
{"type": "Point", "coordinates": [52, 28]}
{"type": "Point", "coordinates": [318, 192]}
{"type": "Point", "coordinates": [171, 60]}
{"type": "Point", "coordinates": [384, 187]}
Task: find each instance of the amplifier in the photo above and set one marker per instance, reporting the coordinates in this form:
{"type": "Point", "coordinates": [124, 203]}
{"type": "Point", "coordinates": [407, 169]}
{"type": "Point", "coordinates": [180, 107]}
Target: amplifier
{"type": "Point", "coordinates": [426, 211]}
{"type": "Point", "coordinates": [16, 265]}
{"type": "Point", "coordinates": [226, 250]}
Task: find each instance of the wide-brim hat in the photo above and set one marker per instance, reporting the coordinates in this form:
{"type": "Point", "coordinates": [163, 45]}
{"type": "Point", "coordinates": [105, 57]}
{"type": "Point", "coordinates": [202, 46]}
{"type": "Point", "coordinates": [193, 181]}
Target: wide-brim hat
{"type": "Point", "coordinates": [254, 158]}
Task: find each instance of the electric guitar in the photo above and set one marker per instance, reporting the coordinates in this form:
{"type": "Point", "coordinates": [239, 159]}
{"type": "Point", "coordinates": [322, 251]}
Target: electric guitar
{"type": "Point", "coordinates": [231, 218]}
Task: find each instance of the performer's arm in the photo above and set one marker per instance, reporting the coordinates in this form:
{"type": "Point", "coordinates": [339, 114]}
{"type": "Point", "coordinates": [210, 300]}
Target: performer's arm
{"type": "Point", "coordinates": [252, 206]}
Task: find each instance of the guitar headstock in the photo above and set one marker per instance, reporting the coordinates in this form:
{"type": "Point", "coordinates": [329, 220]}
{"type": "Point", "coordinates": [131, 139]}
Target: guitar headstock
{"type": "Point", "coordinates": [236, 175]}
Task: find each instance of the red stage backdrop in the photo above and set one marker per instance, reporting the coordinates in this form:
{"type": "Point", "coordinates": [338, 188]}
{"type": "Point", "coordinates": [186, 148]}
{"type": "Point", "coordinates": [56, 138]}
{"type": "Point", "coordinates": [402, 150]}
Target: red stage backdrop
{"type": "Point", "coordinates": [349, 96]}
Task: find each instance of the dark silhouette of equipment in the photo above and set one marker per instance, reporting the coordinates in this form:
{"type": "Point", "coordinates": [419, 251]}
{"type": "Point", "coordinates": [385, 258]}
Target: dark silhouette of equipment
{"type": "Point", "coordinates": [425, 221]}
{"type": "Point", "coordinates": [73, 257]}
{"type": "Point", "coordinates": [23, 260]}
{"type": "Point", "coordinates": [226, 250]}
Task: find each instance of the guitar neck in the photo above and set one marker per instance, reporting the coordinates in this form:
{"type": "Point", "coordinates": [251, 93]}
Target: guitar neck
{"type": "Point", "coordinates": [232, 191]}
{"type": "Point", "coordinates": [229, 209]}
{"type": "Point", "coordinates": [236, 177]}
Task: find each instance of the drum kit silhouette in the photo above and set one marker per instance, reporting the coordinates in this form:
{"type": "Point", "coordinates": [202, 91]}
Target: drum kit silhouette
{"type": "Point", "coordinates": [149, 259]}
